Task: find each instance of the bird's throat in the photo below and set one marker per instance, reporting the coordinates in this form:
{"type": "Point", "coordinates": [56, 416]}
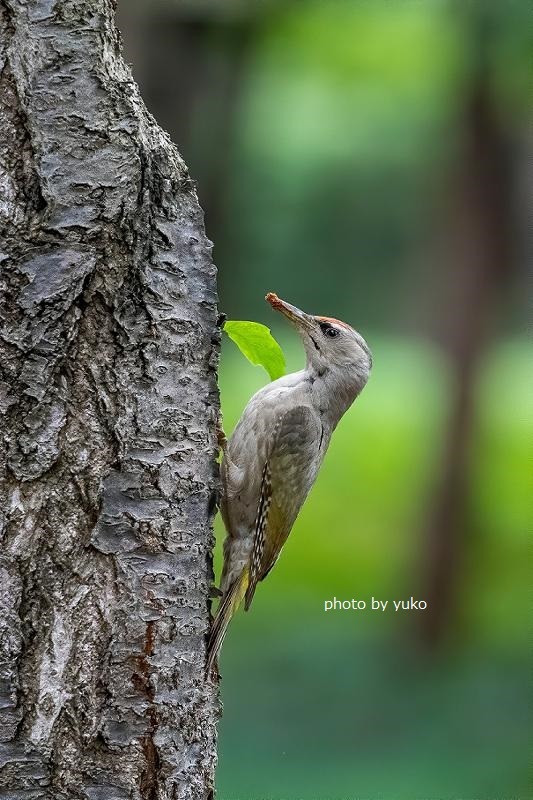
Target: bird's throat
{"type": "Point", "coordinates": [333, 392]}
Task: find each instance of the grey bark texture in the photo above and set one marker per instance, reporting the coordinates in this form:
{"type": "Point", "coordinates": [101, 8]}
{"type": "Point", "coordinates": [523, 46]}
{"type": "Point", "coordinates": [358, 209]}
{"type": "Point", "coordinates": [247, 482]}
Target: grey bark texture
{"type": "Point", "coordinates": [109, 348]}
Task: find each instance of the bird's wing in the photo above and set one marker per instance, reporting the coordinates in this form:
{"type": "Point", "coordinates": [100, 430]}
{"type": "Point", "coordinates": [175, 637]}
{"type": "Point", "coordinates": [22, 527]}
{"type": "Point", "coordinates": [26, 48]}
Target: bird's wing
{"type": "Point", "coordinates": [288, 474]}
{"type": "Point", "coordinates": [232, 481]}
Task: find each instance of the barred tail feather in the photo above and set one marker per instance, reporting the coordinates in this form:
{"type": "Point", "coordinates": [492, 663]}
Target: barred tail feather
{"type": "Point", "coordinates": [225, 612]}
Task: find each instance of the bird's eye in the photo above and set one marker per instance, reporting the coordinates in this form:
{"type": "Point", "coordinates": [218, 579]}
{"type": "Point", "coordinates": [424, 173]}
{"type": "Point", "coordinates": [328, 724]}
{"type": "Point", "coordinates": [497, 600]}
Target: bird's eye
{"type": "Point", "coordinates": [329, 330]}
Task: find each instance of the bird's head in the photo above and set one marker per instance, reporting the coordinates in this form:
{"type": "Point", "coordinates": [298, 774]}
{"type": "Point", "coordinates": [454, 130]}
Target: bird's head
{"type": "Point", "coordinates": [329, 343]}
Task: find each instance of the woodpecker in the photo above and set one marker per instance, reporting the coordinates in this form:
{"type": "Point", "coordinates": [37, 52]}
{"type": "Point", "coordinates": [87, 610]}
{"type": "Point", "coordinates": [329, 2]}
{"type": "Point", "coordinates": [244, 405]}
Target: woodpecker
{"type": "Point", "coordinates": [273, 456]}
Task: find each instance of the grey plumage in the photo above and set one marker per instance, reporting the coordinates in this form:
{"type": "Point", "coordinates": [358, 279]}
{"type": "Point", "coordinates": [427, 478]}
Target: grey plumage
{"type": "Point", "coordinates": [274, 454]}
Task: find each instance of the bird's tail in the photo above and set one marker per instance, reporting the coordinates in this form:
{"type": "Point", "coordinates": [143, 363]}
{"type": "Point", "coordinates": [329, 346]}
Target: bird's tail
{"type": "Point", "coordinates": [227, 608]}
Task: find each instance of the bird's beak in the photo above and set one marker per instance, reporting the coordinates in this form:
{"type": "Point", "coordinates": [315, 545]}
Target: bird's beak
{"type": "Point", "coordinates": [297, 317]}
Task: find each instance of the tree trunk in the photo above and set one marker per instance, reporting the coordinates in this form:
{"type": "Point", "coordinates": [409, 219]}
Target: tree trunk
{"type": "Point", "coordinates": [478, 255]}
{"type": "Point", "coordinates": [109, 351]}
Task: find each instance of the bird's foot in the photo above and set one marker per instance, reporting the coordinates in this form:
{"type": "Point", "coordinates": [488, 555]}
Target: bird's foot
{"type": "Point", "coordinates": [221, 436]}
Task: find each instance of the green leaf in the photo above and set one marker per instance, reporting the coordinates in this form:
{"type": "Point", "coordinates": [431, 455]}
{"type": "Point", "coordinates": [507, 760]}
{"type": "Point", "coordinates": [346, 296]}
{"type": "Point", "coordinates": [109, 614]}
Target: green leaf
{"type": "Point", "coordinates": [258, 345]}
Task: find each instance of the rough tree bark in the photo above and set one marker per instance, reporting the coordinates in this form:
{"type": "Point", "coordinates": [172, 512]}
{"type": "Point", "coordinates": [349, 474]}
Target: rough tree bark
{"type": "Point", "coordinates": [109, 346]}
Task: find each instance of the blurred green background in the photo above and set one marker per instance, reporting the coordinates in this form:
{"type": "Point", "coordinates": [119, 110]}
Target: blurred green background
{"type": "Point", "coordinates": [369, 161]}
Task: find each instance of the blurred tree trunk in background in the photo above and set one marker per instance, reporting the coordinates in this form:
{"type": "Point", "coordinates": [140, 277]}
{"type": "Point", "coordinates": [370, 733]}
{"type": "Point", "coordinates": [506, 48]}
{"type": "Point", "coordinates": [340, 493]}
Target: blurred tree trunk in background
{"type": "Point", "coordinates": [477, 257]}
{"type": "Point", "coordinates": [109, 352]}
{"type": "Point", "coordinates": [206, 62]}
{"type": "Point", "coordinates": [192, 61]}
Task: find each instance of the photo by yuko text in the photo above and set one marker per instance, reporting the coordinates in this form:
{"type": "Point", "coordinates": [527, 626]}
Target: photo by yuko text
{"type": "Point", "coordinates": [374, 604]}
